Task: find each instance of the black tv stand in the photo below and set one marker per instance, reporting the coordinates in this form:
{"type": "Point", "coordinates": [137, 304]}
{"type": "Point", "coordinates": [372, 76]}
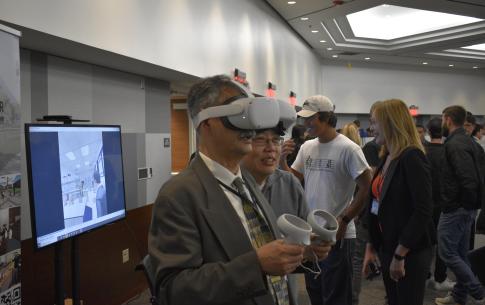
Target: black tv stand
{"type": "Point", "coordinates": [58, 257]}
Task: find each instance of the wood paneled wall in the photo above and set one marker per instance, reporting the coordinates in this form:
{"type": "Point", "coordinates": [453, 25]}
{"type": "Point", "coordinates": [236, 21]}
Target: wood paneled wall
{"type": "Point", "coordinates": [180, 136]}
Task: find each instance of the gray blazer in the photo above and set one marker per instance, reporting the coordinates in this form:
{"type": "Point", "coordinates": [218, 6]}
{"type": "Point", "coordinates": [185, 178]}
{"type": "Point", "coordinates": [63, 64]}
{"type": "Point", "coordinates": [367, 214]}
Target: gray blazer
{"type": "Point", "coordinates": [199, 247]}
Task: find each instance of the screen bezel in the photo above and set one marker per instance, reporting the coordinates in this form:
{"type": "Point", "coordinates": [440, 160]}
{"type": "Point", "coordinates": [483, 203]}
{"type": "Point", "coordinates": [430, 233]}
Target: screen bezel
{"type": "Point", "coordinates": [30, 187]}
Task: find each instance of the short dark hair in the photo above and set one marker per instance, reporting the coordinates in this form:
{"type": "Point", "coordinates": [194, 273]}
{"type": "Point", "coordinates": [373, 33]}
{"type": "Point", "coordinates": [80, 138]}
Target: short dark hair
{"type": "Point", "coordinates": [329, 117]}
{"type": "Point", "coordinates": [470, 118]}
{"type": "Point", "coordinates": [207, 92]}
{"type": "Point", "coordinates": [476, 130]}
{"type": "Point", "coordinates": [434, 128]}
{"type": "Point", "coordinates": [298, 132]}
{"type": "Point", "coordinates": [456, 113]}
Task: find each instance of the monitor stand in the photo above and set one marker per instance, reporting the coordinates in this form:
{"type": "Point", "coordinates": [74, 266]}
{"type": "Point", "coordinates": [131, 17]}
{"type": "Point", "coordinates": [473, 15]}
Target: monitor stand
{"type": "Point", "coordinates": [58, 257]}
{"type": "Point", "coordinates": [59, 272]}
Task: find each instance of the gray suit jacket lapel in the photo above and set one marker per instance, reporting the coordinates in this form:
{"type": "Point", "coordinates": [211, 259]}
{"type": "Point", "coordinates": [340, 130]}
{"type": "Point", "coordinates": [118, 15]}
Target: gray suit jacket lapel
{"type": "Point", "coordinates": [220, 215]}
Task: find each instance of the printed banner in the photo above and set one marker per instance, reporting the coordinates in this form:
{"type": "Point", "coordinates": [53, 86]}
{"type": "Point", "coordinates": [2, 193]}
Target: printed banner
{"type": "Point", "coordinates": [10, 178]}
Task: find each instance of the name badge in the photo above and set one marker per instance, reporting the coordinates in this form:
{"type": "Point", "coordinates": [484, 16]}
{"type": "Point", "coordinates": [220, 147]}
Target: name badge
{"type": "Point", "coordinates": [375, 207]}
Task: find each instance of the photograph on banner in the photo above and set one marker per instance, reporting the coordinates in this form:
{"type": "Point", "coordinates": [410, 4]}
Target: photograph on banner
{"type": "Point", "coordinates": [12, 296]}
{"type": "Point", "coordinates": [10, 194]}
{"type": "Point", "coordinates": [10, 265]}
{"type": "Point", "coordinates": [9, 134]}
{"type": "Point", "coordinates": [9, 230]}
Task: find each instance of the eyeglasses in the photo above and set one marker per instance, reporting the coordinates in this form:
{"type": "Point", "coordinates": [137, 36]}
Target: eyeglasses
{"type": "Point", "coordinates": [261, 141]}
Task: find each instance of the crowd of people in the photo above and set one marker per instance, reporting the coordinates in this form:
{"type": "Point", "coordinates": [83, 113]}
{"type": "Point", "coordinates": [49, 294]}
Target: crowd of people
{"type": "Point", "coordinates": [400, 202]}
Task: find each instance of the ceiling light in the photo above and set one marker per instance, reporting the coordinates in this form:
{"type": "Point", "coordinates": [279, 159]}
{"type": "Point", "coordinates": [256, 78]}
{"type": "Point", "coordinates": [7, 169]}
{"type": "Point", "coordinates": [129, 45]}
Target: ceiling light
{"type": "Point", "coordinates": [335, 56]}
{"type": "Point", "coordinates": [70, 155]}
{"type": "Point", "coordinates": [291, 2]}
{"type": "Point", "coordinates": [314, 31]}
{"type": "Point", "coordinates": [367, 58]}
{"type": "Point", "coordinates": [475, 67]}
{"type": "Point", "coordinates": [450, 65]}
{"type": "Point", "coordinates": [85, 150]}
{"type": "Point", "coordinates": [329, 49]}
{"type": "Point", "coordinates": [425, 63]}
{"type": "Point", "coordinates": [479, 47]}
{"type": "Point", "coordinates": [322, 41]}
{"type": "Point", "coordinates": [304, 18]}
{"type": "Point", "coordinates": [402, 22]}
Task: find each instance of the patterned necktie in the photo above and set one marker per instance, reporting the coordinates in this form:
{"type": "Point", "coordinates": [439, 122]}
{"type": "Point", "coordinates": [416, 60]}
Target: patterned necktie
{"type": "Point", "coordinates": [260, 235]}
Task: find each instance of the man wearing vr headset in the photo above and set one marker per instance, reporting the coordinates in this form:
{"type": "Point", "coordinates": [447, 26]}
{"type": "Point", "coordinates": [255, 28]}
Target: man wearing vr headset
{"type": "Point", "coordinates": [213, 235]}
{"type": "Point", "coordinates": [331, 166]}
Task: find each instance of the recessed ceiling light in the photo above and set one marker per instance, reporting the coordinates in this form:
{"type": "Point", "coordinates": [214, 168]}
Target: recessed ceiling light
{"type": "Point", "coordinates": [304, 18]}
{"type": "Point", "coordinates": [329, 49]}
{"type": "Point", "coordinates": [314, 31]}
{"type": "Point", "coordinates": [479, 47]}
{"type": "Point", "coordinates": [450, 65]}
{"type": "Point", "coordinates": [291, 2]}
{"type": "Point", "coordinates": [475, 67]}
{"type": "Point", "coordinates": [367, 58]}
{"type": "Point", "coordinates": [335, 56]}
{"type": "Point", "coordinates": [425, 63]}
{"type": "Point", "coordinates": [322, 41]}
{"type": "Point", "coordinates": [403, 21]}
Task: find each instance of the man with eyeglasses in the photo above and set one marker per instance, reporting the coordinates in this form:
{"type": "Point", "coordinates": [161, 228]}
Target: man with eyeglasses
{"type": "Point", "coordinates": [331, 166]}
{"type": "Point", "coordinates": [282, 190]}
{"type": "Point", "coordinates": [213, 237]}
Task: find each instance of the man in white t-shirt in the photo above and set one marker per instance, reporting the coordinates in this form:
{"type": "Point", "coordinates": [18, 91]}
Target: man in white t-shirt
{"type": "Point", "coordinates": [331, 167]}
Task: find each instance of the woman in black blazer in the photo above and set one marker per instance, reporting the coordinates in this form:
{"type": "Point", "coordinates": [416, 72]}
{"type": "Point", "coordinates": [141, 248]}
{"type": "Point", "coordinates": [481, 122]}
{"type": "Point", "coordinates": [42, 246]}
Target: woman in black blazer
{"type": "Point", "coordinates": [400, 210]}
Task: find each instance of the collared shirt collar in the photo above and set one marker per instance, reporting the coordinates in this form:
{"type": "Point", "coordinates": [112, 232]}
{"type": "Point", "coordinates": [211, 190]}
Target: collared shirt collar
{"type": "Point", "coordinates": [220, 172]}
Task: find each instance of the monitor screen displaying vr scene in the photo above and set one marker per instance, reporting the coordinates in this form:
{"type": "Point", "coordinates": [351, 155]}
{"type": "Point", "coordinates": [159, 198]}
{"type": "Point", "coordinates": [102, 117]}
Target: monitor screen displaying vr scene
{"type": "Point", "coordinates": [75, 179]}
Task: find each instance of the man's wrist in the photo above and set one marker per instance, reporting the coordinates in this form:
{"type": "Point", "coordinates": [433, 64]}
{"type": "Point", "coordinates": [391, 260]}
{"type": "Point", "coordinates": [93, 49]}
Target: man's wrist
{"type": "Point", "coordinates": [346, 219]}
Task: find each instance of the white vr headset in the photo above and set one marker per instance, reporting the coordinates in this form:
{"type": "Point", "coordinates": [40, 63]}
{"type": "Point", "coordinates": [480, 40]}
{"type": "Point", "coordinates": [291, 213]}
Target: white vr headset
{"type": "Point", "coordinates": [251, 113]}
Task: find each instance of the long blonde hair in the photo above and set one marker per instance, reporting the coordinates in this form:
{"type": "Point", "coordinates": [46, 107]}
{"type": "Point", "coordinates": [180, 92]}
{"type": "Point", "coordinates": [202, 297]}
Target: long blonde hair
{"type": "Point", "coordinates": [397, 126]}
{"type": "Point", "coordinates": [351, 132]}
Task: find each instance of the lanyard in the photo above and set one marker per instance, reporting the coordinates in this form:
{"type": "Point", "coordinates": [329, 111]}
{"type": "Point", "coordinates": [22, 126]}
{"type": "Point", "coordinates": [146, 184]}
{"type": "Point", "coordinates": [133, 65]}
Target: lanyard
{"type": "Point", "coordinates": [235, 192]}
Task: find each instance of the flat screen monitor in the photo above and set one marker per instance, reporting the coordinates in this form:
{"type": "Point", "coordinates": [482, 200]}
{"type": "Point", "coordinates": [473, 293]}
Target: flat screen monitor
{"type": "Point", "coordinates": [75, 179]}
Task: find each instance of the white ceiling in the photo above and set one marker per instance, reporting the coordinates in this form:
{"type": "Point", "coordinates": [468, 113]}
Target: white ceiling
{"type": "Point", "coordinates": [440, 48]}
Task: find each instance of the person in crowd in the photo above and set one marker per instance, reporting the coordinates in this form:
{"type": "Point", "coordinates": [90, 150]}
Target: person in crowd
{"type": "Point", "coordinates": [460, 198]}
{"type": "Point", "coordinates": [101, 205]}
{"type": "Point", "coordinates": [477, 134]}
{"type": "Point", "coordinates": [352, 132]}
{"type": "Point", "coordinates": [213, 238]}
{"type": "Point", "coordinates": [401, 231]}
{"type": "Point", "coordinates": [470, 126]}
{"type": "Point", "coordinates": [298, 138]}
{"type": "Point", "coordinates": [331, 165]}
{"type": "Point", "coordinates": [470, 123]}
{"type": "Point", "coordinates": [435, 153]}
{"type": "Point", "coordinates": [282, 190]}
{"type": "Point", "coordinates": [422, 133]}
{"type": "Point", "coordinates": [371, 149]}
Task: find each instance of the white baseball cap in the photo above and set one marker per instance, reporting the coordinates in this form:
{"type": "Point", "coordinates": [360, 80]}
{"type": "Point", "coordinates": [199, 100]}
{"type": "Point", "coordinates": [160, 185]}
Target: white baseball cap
{"type": "Point", "coordinates": [314, 104]}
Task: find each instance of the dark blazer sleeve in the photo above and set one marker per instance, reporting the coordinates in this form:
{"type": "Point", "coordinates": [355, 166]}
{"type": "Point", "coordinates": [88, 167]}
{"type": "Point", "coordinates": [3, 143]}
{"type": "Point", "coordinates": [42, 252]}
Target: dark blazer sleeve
{"type": "Point", "coordinates": [417, 178]}
{"type": "Point", "coordinates": [176, 245]}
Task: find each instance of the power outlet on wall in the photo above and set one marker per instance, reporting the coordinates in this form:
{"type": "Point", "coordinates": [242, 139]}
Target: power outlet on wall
{"type": "Point", "coordinates": [125, 255]}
